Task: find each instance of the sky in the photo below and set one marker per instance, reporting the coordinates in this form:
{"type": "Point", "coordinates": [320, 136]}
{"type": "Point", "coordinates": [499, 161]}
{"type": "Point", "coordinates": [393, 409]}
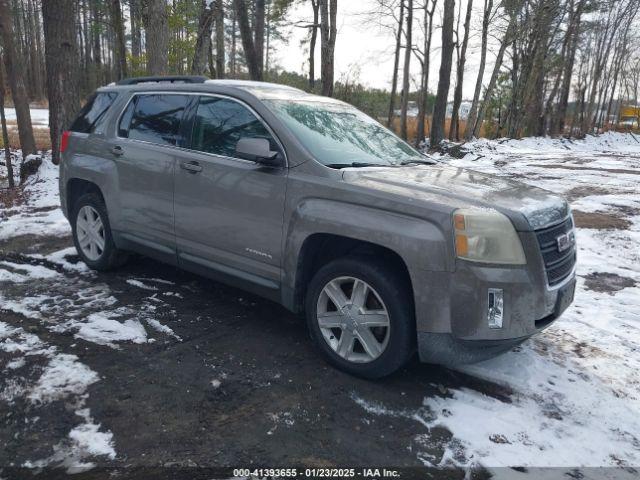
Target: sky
{"type": "Point", "coordinates": [365, 47]}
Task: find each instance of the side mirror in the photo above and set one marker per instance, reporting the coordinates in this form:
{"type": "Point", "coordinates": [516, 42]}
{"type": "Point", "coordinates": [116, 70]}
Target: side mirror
{"type": "Point", "coordinates": [257, 150]}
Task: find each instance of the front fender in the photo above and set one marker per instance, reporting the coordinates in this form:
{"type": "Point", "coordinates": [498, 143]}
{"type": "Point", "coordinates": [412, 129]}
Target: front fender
{"type": "Point", "coordinates": [421, 244]}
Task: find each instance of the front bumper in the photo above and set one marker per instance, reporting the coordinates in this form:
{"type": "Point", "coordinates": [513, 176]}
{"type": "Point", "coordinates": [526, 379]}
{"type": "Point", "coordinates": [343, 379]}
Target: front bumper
{"type": "Point", "coordinates": [454, 328]}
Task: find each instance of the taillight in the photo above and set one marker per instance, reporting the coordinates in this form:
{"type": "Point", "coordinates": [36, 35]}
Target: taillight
{"type": "Point", "coordinates": [64, 141]}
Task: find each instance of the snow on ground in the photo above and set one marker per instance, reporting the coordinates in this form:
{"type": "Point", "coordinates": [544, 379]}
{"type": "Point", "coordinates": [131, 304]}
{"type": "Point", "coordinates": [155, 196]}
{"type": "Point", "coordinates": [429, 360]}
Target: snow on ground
{"type": "Point", "coordinates": [63, 378]}
{"type": "Point", "coordinates": [39, 116]}
{"type": "Point", "coordinates": [41, 212]}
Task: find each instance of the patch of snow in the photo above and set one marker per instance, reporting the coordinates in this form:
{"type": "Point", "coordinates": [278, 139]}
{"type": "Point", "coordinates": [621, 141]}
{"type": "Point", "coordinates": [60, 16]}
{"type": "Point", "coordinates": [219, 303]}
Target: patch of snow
{"type": "Point", "coordinates": [156, 325]}
{"type": "Point", "coordinates": [63, 376]}
{"type": "Point", "coordinates": [39, 116]}
{"type": "Point", "coordinates": [102, 328]}
{"type": "Point", "coordinates": [41, 214]}
{"type": "Point", "coordinates": [89, 438]}
{"type": "Point", "coordinates": [139, 284]}
{"type": "Point", "coordinates": [23, 272]}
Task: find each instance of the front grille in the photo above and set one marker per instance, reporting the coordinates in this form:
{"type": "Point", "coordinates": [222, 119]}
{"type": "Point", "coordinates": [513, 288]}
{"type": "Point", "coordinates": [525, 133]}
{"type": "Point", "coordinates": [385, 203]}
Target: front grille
{"type": "Point", "coordinates": [558, 265]}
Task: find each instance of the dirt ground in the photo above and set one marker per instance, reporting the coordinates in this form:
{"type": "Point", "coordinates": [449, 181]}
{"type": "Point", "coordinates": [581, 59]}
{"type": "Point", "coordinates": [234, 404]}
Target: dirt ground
{"type": "Point", "coordinates": [242, 386]}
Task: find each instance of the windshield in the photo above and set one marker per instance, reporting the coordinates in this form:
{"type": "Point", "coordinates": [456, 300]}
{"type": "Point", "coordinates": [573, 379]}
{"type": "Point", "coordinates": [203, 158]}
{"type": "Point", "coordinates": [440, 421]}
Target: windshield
{"type": "Point", "coordinates": [340, 135]}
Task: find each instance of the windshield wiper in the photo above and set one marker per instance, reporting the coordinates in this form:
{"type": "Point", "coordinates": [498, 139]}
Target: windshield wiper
{"type": "Point", "coordinates": [418, 162]}
{"type": "Point", "coordinates": [354, 164]}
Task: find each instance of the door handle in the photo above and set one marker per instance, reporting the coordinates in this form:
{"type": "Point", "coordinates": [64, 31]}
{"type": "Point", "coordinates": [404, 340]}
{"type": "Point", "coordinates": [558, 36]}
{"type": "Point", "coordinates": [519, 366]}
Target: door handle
{"type": "Point", "coordinates": [191, 167]}
{"type": "Point", "coordinates": [117, 151]}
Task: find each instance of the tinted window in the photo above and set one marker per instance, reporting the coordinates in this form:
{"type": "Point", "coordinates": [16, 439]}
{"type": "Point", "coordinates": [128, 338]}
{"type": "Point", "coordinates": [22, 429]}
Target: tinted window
{"type": "Point", "coordinates": [219, 124]}
{"type": "Point", "coordinates": [93, 112]}
{"type": "Point", "coordinates": [154, 118]}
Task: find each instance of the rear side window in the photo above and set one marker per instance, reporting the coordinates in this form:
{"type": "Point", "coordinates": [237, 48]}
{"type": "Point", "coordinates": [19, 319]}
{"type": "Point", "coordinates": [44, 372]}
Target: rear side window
{"type": "Point", "coordinates": [219, 124]}
{"type": "Point", "coordinates": [154, 118]}
{"type": "Point", "coordinates": [93, 112]}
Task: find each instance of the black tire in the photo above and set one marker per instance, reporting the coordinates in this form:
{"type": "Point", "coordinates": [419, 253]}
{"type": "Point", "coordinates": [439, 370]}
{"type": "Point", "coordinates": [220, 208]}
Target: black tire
{"type": "Point", "coordinates": [394, 291]}
{"type": "Point", "coordinates": [111, 257]}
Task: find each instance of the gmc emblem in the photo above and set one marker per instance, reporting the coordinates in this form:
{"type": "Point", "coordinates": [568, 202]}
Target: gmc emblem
{"type": "Point", "coordinates": [566, 240]}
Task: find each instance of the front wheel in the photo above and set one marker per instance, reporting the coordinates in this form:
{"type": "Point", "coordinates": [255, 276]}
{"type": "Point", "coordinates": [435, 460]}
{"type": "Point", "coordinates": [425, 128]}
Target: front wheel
{"type": "Point", "coordinates": [360, 315]}
{"type": "Point", "coordinates": [92, 234]}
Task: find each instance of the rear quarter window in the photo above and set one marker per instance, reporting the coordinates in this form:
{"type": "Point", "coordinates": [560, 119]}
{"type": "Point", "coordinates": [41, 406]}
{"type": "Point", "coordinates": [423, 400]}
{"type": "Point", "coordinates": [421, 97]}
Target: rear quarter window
{"type": "Point", "coordinates": [93, 112]}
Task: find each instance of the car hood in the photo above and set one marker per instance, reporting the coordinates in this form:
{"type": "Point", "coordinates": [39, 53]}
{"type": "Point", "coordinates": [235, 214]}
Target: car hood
{"type": "Point", "coordinates": [463, 187]}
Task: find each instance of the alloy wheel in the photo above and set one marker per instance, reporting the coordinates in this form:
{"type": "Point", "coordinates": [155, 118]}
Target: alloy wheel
{"type": "Point", "coordinates": [353, 319]}
{"type": "Point", "coordinates": [90, 232]}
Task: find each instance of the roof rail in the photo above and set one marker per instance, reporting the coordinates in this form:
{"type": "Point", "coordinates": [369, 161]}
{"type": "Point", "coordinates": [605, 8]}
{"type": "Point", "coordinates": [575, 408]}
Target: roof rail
{"type": "Point", "coordinates": [161, 79]}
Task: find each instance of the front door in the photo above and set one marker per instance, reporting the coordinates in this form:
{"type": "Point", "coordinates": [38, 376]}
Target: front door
{"type": "Point", "coordinates": [229, 211]}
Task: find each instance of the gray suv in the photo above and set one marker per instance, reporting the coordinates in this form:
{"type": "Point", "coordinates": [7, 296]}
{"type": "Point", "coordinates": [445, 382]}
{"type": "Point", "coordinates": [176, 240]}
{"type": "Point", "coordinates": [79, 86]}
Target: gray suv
{"type": "Point", "coordinates": [308, 202]}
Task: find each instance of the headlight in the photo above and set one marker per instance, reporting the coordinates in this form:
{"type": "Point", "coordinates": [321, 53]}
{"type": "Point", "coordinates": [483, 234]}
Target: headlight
{"type": "Point", "coordinates": [486, 236]}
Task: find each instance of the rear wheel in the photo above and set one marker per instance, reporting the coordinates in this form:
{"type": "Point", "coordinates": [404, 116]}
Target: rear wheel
{"type": "Point", "coordinates": [360, 315]}
{"type": "Point", "coordinates": [92, 234]}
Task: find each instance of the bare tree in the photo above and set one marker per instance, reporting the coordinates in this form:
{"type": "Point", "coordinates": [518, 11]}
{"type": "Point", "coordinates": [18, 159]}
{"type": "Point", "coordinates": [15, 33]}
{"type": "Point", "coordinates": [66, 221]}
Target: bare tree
{"type": "Point", "coordinates": [454, 133]}
{"type": "Point", "coordinates": [426, 65]}
{"type": "Point", "coordinates": [488, 93]}
{"type": "Point", "coordinates": [406, 72]}
{"type": "Point", "coordinates": [396, 65]}
{"type": "Point", "coordinates": [62, 79]}
{"type": "Point", "coordinates": [156, 23]}
{"type": "Point", "coordinates": [444, 78]}
{"type": "Point", "coordinates": [16, 81]}
{"type": "Point", "coordinates": [328, 32]}
{"type": "Point", "coordinates": [473, 110]}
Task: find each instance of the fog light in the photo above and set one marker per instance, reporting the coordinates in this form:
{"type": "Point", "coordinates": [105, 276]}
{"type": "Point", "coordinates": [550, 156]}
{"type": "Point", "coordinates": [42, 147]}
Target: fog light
{"type": "Point", "coordinates": [494, 307]}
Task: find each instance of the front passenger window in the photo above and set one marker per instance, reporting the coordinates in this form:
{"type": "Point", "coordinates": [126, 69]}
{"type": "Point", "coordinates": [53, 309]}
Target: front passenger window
{"type": "Point", "coordinates": [219, 124]}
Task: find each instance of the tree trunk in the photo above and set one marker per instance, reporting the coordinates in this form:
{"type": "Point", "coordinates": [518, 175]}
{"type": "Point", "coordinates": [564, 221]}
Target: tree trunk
{"type": "Point", "coordinates": [118, 29]}
{"type": "Point", "coordinates": [258, 39]}
{"type": "Point", "coordinates": [203, 39]}
{"type": "Point", "coordinates": [61, 54]}
{"type": "Point", "coordinates": [5, 134]}
{"type": "Point", "coordinates": [328, 32]}
{"type": "Point", "coordinates": [16, 82]}
{"type": "Point", "coordinates": [454, 129]}
{"type": "Point", "coordinates": [315, 5]}
{"type": "Point", "coordinates": [426, 66]}
{"type": "Point", "coordinates": [396, 64]}
{"type": "Point", "coordinates": [406, 72]}
{"type": "Point", "coordinates": [573, 30]}
{"type": "Point", "coordinates": [248, 45]}
{"type": "Point", "coordinates": [473, 111]}
{"type": "Point", "coordinates": [136, 32]}
{"type": "Point", "coordinates": [156, 36]}
{"type": "Point", "coordinates": [440, 106]}
{"type": "Point", "coordinates": [219, 19]}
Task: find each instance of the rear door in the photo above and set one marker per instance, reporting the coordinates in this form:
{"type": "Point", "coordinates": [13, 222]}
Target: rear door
{"type": "Point", "coordinates": [144, 150]}
{"type": "Point", "coordinates": [229, 211]}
